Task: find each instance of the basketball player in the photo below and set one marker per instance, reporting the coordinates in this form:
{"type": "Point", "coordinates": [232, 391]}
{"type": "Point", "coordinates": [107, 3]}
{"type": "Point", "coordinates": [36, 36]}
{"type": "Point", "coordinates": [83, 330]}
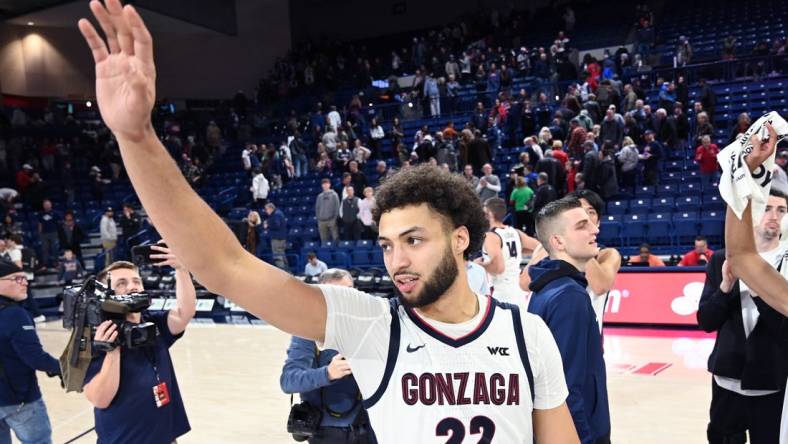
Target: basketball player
{"type": "Point", "coordinates": [504, 247]}
{"type": "Point", "coordinates": [559, 296]}
{"type": "Point", "coordinates": [601, 271]}
{"type": "Point", "coordinates": [438, 362]}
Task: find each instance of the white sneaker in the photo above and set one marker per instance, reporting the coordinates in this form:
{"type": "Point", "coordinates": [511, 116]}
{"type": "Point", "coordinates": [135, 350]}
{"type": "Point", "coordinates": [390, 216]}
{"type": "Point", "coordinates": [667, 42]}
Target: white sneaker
{"type": "Point", "coordinates": [39, 319]}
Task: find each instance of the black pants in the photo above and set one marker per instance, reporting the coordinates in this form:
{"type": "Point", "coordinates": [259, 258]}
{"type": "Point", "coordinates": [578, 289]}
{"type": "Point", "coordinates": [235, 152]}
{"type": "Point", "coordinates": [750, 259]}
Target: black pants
{"type": "Point", "coordinates": [341, 435]}
{"type": "Point", "coordinates": [732, 414]}
{"type": "Point", "coordinates": [524, 221]}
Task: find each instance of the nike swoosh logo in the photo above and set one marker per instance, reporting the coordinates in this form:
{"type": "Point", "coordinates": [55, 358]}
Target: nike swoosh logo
{"type": "Point", "coordinates": [411, 349]}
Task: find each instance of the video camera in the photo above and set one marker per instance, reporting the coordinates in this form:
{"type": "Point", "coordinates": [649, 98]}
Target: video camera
{"type": "Point", "coordinates": [90, 304]}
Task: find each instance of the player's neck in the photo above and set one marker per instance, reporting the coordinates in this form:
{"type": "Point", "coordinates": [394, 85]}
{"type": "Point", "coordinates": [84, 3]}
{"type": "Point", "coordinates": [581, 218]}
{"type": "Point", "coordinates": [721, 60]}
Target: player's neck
{"type": "Point", "coordinates": [577, 263]}
{"type": "Point", "coordinates": [497, 225]}
{"type": "Point", "coordinates": [458, 304]}
{"type": "Point", "coordinates": [763, 244]}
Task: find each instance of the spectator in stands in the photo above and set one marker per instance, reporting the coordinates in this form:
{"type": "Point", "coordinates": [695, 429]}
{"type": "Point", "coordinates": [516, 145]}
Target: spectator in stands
{"type": "Point", "coordinates": [706, 157]}
{"type": "Point", "coordinates": [652, 156]}
{"type": "Point", "coordinates": [329, 140]}
{"type": "Point", "coordinates": [545, 193]}
{"type": "Point", "coordinates": [253, 229]}
{"type": "Point", "coordinates": [729, 47]}
{"type": "Point", "coordinates": [703, 127]}
{"type": "Point", "coordinates": [521, 199]}
{"type": "Point", "coordinates": [360, 153]}
{"type": "Point", "coordinates": [13, 250]}
{"type": "Point", "coordinates": [489, 184]}
{"type": "Point", "coordinates": [259, 189]}
{"type": "Point", "coordinates": [780, 178]}
{"type": "Point", "coordinates": [130, 222]}
{"type": "Point", "coordinates": [327, 212]}
{"type": "Point", "coordinates": [708, 98]}
{"type": "Point", "coordinates": [743, 123]}
{"type": "Point", "coordinates": [333, 119]}
{"type": "Point", "coordinates": [607, 183]}
{"type": "Point", "coordinates": [700, 255]}
{"type": "Point", "coordinates": [109, 235]}
{"type": "Point", "coordinates": [298, 153]}
{"type": "Point", "coordinates": [48, 222]}
{"type": "Point", "coordinates": [70, 235]}
{"type": "Point", "coordinates": [645, 256]}
{"type": "Point", "coordinates": [342, 157]}
{"type": "Point", "coordinates": [351, 224]}
{"type": "Point", "coordinates": [365, 207]}
{"type": "Point", "coordinates": [21, 406]}
{"type": "Point", "coordinates": [628, 157]}
{"type": "Point", "coordinates": [69, 269]}
{"type": "Point", "coordinates": [681, 122]}
{"type": "Point", "coordinates": [432, 93]}
{"type": "Point", "coordinates": [314, 266]}
{"type": "Point", "coordinates": [665, 129]}
{"type": "Point", "coordinates": [467, 174]}
{"type": "Point", "coordinates": [376, 136]}
{"type": "Point", "coordinates": [276, 226]}
{"type": "Point", "coordinates": [577, 135]}
{"type": "Point", "coordinates": [611, 129]}
{"type": "Point", "coordinates": [246, 156]}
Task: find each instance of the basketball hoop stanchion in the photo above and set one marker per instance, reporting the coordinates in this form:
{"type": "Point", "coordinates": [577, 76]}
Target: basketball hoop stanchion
{"type": "Point", "coordinates": [74, 439]}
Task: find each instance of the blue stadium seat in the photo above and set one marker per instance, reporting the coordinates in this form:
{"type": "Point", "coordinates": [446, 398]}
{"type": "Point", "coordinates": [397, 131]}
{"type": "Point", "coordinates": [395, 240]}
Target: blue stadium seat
{"type": "Point", "coordinates": [663, 204]}
{"type": "Point", "coordinates": [645, 191]}
{"type": "Point", "coordinates": [688, 203]}
{"type": "Point", "coordinates": [609, 233]}
{"type": "Point", "coordinates": [617, 207]}
{"type": "Point", "coordinates": [361, 258]}
{"type": "Point", "coordinates": [660, 232]}
{"type": "Point", "coordinates": [639, 205]}
{"type": "Point", "coordinates": [668, 189]}
{"type": "Point", "coordinates": [655, 217]}
{"type": "Point", "coordinates": [713, 230]}
{"type": "Point", "coordinates": [685, 227]}
{"type": "Point", "coordinates": [364, 244]}
{"type": "Point", "coordinates": [711, 215]}
{"type": "Point", "coordinates": [612, 218]}
{"type": "Point", "coordinates": [690, 189]}
{"type": "Point", "coordinates": [633, 232]}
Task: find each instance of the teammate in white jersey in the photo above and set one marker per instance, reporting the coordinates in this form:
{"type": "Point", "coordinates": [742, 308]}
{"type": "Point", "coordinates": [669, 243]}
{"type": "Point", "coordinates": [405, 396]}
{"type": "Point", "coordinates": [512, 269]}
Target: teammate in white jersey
{"type": "Point", "coordinates": [436, 364]}
{"type": "Point", "coordinates": [504, 247]}
{"type": "Point", "coordinates": [601, 271]}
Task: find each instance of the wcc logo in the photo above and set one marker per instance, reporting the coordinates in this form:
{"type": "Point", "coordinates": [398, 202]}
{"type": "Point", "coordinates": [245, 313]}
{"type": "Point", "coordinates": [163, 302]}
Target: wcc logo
{"type": "Point", "coordinates": [500, 351]}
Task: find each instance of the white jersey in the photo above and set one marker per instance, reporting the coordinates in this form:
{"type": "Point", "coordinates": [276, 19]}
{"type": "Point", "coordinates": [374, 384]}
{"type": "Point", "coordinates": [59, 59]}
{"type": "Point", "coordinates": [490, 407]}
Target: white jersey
{"type": "Point", "coordinates": [425, 381]}
{"type": "Point", "coordinates": [507, 284]}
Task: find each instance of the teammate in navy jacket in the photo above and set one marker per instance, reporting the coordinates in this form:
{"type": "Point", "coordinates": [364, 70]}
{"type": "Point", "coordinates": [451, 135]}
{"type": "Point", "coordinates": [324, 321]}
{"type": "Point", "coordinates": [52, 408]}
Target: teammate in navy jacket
{"type": "Point", "coordinates": [21, 407]}
{"type": "Point", "coordinates": [559, 297]}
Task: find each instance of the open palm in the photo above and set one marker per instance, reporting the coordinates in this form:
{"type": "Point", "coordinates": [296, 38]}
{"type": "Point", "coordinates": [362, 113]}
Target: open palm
{"type": "Point", "coordinates": [125, 72]}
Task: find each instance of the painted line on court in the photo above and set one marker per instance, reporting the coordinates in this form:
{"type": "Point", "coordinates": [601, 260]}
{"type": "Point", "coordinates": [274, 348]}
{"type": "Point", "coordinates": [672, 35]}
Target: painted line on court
{"type": "Point", "coordinates": [652, 368]}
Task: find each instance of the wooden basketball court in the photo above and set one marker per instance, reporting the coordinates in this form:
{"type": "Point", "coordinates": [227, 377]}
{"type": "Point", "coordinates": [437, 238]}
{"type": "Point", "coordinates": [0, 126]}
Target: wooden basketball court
{"type": "Point", "coordinates": [229, 378]}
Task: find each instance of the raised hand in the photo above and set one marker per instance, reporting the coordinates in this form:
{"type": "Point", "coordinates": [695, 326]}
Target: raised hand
{"type": "Point", "coordinates": [761, 150]}
{"type": "Point", "coordinates": [125, 72]}
{"type": "Point", "coordinates": [165, 257]}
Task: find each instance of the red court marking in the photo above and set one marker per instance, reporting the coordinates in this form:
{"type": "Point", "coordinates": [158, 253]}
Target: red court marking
{"type": "Point", "coordinates": [657, 333]}
{"type": "Point", "coordinates": [652, 368]}
{"type": "Point", "coordinates": [622, 368]}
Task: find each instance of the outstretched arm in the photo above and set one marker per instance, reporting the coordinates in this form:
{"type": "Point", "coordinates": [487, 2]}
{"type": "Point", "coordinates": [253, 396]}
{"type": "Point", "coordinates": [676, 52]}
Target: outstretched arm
{"type": "Point", "coordinates": [749, 266]}
{"type": "Point", "coordinates": [745, 262]}
{"type": "Point", "coordinates": [601, 272]}
{"type": "Point", "coordinates": [125, 91]}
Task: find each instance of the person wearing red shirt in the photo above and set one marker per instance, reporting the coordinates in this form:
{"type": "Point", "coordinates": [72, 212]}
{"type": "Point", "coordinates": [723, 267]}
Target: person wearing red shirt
{"type": "Point", "coordinates": [699, 256]}
{"type": "Point", "coordinates": [706, 156]}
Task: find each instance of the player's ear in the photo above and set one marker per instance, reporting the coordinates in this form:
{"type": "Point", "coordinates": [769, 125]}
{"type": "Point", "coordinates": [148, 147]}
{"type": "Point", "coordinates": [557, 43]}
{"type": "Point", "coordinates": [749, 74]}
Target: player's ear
{"type": "Point", "coordinates": [461, 239]}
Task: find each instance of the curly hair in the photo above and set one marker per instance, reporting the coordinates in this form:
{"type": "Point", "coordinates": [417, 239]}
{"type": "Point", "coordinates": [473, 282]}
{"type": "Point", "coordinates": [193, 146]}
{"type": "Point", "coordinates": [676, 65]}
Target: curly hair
{"type": "Point", "coordinates": [448, 194]}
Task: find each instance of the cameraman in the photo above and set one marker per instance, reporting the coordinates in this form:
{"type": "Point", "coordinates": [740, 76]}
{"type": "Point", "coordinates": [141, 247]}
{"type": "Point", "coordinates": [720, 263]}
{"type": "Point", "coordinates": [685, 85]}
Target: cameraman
{"type": "Point", "coordinates": [325, 381]}
{"type": "Point", "coordinates": [134, 390]}
{"type": "Point", "coordinates": [21, 407]}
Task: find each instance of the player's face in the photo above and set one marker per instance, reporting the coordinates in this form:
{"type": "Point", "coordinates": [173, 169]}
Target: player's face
{"type": "Point", "coordinates": [769, 227]}
{"type": "Point", "coordinates": [592, 214]}
{"type": "Point", "coordinates": [579, 234]}
{"type": "Point", "coordinates": [417, 253]}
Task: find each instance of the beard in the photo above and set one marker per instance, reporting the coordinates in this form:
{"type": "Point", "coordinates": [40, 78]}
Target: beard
{"type": "Point", "coordinates": [441, 280]}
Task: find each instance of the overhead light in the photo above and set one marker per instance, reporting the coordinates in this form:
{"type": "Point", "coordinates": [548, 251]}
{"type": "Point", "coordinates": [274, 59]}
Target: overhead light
{"type": "Point", "coordinates": [30, 23]}
{"type": "Point", "coordinates": [88, 103]}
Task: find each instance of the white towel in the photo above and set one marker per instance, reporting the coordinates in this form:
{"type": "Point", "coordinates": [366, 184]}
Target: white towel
{"type": "Point", "coordinates": [737, 184]}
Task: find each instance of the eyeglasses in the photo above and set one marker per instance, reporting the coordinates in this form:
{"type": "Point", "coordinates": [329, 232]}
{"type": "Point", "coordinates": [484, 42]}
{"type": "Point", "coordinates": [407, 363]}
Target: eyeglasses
{"type": "Point", "coordinates": [18, 279]}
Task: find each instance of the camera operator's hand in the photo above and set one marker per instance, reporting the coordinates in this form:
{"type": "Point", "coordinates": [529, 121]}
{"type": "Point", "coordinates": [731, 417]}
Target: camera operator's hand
{"type": "Point", "coordinates": [166, 257]}
{"type": "Point", "coordinates": [338, 368]}
{"type": "Point", "coordinates": [107, 332]}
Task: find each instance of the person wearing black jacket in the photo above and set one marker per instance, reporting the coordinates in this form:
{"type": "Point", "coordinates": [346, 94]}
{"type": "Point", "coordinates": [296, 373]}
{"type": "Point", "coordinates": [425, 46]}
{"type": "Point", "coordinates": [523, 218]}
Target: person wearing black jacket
{"type": "Point", "coordinates": [71, 236]}
{"type": "Point", "coordinates": [545, 193]}
{"type": "Point", "coordinates": [749, 363]}
{"type": "Point", "coordinates": [21, 407]}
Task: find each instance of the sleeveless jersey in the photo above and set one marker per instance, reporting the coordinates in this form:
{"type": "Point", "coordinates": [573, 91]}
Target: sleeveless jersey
{"type": "Point", "coordinates": [476, 388]}
{"type": "Point", "coordinates": [507, 284]}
